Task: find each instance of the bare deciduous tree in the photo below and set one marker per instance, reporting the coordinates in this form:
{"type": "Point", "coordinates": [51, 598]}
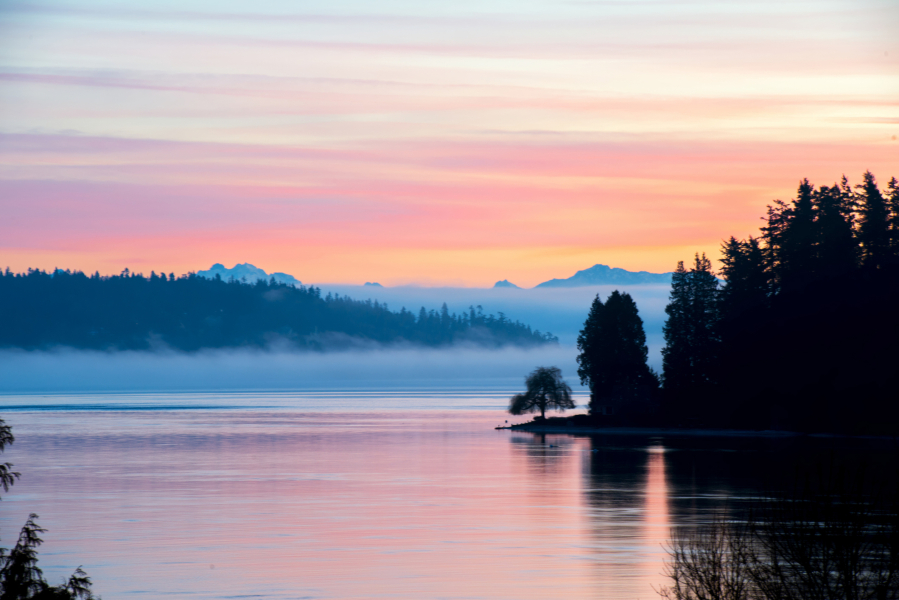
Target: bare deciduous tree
{"type": "Point", "coordinates": [833, 541]}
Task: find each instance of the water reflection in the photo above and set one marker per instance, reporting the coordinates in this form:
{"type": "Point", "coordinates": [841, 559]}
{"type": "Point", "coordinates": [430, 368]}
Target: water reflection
{"type": "Point", "coordinates": [656, 520]}
{"type": "Point", "coordinates": [412, 504]}
{"type": "Point", "coordinates": [626, 493]}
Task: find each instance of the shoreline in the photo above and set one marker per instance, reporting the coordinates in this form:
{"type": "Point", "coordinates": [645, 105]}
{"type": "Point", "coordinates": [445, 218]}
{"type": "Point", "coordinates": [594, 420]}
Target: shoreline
{"type": "Point", "coordinates": [678, 432]}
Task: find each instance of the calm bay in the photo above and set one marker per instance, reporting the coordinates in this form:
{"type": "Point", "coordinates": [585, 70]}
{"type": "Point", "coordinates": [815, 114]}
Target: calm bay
{"type": "Point", "coordinates": [351, 494]}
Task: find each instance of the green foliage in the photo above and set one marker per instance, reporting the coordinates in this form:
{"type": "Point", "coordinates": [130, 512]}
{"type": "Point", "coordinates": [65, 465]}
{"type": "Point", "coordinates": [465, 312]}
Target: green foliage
{"type": "Point", "coordinates": [20, 576]}
{"type": "Point", "coordinates": [133, 312]}
{"type": "Point", "coordinates": [545, 390]}
{"type": "Point", "coordinates": [613, 352]}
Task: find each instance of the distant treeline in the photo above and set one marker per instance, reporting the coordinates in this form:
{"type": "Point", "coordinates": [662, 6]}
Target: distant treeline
{"type": "Point", "coordinates": [129, 311]}
{"type": "Point", "coordinates": [804, 334]}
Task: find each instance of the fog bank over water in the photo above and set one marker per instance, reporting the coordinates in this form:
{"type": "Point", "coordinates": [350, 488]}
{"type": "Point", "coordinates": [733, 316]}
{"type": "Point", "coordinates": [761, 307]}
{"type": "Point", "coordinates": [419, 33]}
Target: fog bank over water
{"type": "Point", "coordinates": [561, 311]}
{"type": "Point", "coordinates": [400, 368]}
{"type": "Point", "coordinates": [354, 364]}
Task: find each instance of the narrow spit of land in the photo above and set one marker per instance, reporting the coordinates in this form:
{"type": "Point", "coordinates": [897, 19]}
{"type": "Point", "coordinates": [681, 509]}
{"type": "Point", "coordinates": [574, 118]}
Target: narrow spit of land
{"type": "Point", "coordinates": [575, 426]}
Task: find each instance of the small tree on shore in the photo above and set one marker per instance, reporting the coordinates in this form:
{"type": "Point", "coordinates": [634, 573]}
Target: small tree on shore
{"type": "Point", "coordinates": [545, 390]}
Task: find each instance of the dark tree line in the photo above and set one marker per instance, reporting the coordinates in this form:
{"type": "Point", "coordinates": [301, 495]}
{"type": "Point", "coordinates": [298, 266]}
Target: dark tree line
{"type": "Point", "coordinates": [803, 334]}
{"type": "Point", "coordinates": [132, 312]}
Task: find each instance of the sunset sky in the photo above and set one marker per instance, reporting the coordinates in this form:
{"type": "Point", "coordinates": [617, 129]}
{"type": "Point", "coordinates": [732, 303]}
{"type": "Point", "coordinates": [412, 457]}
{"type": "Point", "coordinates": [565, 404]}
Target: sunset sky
{"type": "Point", "coordinates": [438, 143]}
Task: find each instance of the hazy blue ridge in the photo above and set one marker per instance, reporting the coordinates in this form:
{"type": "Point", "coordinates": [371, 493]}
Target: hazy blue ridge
{"type": "Point", "coordinates": [605, 275]}
{"type": "Point", "coordinates": [248, 273]}
{"type": "Point", "coordinates": [193, 312]}
{"type": "Point", "coordinates": [505, 283]}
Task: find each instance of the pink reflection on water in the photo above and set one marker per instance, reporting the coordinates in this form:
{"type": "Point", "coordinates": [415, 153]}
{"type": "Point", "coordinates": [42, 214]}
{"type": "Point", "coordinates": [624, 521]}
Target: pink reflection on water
{"type": "Point", "coordinates": [656, 520]}
{"type": "Point", "coordinates": [626, 494]}
{"type": "Point", "coordinates": [414, 505]}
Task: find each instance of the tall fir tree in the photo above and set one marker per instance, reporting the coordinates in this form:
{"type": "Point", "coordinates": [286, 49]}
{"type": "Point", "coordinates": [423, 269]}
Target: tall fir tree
{"type": "Point", "coordinates": [691, 335]}
{"type": "Point", "coordinates": [835, 247]}
{"type": "Point", "coordinates": [704, 320]}
{"type": "Point", "coordinates": [676, 353]}
{"type": "Point", "coordinates": [893, 205]}
{"type": "Point", "coordinates": [773, 236]}
{"type": "Point", "coordinates": [747, 279]}
{"type": "Point", "coordinates": [613, 356]}
{"type": "Point", "coordinates": [797, 243]}
{"type": "Point", "coordinates": [873, 230]}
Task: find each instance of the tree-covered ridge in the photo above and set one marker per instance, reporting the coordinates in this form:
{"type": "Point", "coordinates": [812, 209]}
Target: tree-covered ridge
{"type": "Point", "coordinates": [133, 312]}
{"type": "Point", "coordinates": [804, 334]}
{"type": "Point", "coordinates": [822, 233]}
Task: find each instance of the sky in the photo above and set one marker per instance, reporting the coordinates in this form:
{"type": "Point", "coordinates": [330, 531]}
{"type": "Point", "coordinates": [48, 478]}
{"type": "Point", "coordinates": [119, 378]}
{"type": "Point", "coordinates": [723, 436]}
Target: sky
{"type": "Point", "coordinates": [431, 143]}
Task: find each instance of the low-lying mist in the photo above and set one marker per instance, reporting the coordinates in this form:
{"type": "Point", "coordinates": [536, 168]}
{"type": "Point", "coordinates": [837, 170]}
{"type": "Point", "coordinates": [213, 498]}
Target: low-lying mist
{"type": "Point", "coordinates": [561, 311]}
{"type": "Point", "coordinates": [350, 363]}
{"type": "Point", "coordinates": [391, 368]}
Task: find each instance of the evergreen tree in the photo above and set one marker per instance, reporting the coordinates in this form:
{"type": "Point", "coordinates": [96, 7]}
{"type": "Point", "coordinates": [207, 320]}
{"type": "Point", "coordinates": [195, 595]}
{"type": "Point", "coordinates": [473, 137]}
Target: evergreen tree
{"type": "Point", "coordinates": [893, 204]}
{"type": "Point", "coordinates": [691, 331]}
{"type": "Point", "coordinates": [589, 342]}
{"type": "Point", "coordinates": [797, 238]}
{"type": "Point", "coordinates": [801, 300]}
{"type": "Point", "coordinates": [20, 576]}
{"type": "Point", "coordinates": [873, 230]}
{"type": "Point", "coordinates": [676, 353]}
{"type": "Point", "coordinates": [614, 352]}
{"type": "Point", "coordinates": [773, 236]}
{"type": "Point", "coordinates": [747, 280]}
{"type": "Point", "coordinates": [704, 320]}
{"type": "Point", "coordinates": [835, 247]}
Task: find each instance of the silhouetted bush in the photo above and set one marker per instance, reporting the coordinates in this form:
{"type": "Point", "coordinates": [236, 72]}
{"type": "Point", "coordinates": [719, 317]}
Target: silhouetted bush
{"type": "Point", "coordinates": [835, 540]}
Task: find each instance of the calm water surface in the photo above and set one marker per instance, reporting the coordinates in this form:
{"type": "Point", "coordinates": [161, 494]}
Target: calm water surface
{"type": "Point", "coordinates": [355, 495]}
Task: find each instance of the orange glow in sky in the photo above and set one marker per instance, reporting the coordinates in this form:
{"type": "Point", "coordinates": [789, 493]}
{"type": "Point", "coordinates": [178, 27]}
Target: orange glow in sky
{"type": "Point", "coordinates": [427, 143]}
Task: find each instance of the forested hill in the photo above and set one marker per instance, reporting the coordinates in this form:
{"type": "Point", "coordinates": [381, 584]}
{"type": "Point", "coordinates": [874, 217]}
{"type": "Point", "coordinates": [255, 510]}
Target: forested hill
{"type": "Point", "coordinates": [804, 335]}
{"type": "Point", "coordinates": [131, 312]}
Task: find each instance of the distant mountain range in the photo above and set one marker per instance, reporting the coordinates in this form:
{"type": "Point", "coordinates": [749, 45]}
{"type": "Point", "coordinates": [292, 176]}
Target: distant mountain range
{"type": "Point", "coordinates": [605, 275]}
{"type": "Point", "coordinates": [561, 309]}
{"type": "Point", "coordinates": [249, 273]}
{"type": "Point", "coordinates": [595, 275]}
